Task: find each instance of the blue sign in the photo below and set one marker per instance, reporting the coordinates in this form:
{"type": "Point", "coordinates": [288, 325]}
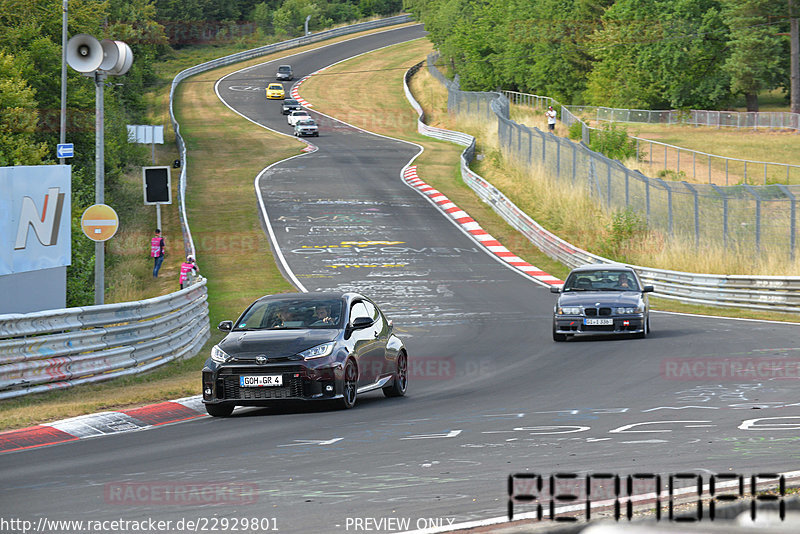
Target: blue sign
{"type": "Point", "coordinates": [65, 150]}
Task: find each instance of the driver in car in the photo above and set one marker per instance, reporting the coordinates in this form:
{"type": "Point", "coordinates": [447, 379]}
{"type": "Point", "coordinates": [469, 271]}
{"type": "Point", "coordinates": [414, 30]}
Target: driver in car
{"type": "Point", "coordinates": [323, 316]}
{"type": "Point", "coordinates": [623, 282]}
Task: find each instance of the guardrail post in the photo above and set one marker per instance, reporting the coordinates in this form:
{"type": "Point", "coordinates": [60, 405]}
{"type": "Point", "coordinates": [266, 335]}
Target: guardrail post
{"type": "Point", "coordinates": [793, 220]}
{"type": "Point", "coordinates": [696, 213]}
{"type": "Point", "coordinates": [765, 173]}
{"type": "Point", "coordinates": [758, 215]}
{"type": "Point", "coordinates": [724, 214]}
{"type": "Point", "coordinates": [647, 199]}
{"type": "Point", "coordinates": [608, 187]}
{"type": "Point", "coordinates": [745, 171]}
{"type": "Point", "coordinates": [669, 205]}
{"type": "Point", "coordinates": [530, 147]}
{"type": "Point", "coordinates": [574, 161]}
{"type": "Point", "coordinates": [544, 150]}
{"type": "Point", "coordinates": [726, 171]}
{"type": "Point", "coordinates": [627, 188]}
{"type": "Point", "coordinates": [558, 157]}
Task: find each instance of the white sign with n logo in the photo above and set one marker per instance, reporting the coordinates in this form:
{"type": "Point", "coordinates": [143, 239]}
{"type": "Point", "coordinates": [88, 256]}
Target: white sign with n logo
{"type": "Point", "coordinates": [46, 226]}
{"type": "Point", "coordinates": [35, 225]}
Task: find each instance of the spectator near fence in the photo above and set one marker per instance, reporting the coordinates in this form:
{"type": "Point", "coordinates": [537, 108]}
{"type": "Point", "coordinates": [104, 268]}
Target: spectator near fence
{"type": "Point", "coordinates": [551, 118]}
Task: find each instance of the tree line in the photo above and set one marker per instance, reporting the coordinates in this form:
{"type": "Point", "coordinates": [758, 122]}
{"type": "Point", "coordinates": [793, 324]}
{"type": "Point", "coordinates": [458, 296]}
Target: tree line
{"type": "Point", "coordinates": [649, 54]}
{"type": "Point", "coordinates": [30, 83]}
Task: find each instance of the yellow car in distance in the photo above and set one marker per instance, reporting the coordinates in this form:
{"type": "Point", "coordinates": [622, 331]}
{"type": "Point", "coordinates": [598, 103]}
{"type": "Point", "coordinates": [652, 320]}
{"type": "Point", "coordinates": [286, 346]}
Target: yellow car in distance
{"type": "Point", "coordinates": [275, 91]}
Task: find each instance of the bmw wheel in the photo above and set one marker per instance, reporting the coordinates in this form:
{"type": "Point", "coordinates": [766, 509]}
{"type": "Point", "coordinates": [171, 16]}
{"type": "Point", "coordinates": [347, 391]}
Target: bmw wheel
{"type": "Point", "coordinates": [400, 383]}
{"type": "Point", "coordinates": [219, 410]}
{"type": "Point", "coordinates": [645, 329]}
{"type": "Point", "coordinates": [349, 386]}
{"type": "Point", "coordinates": [557, 336]}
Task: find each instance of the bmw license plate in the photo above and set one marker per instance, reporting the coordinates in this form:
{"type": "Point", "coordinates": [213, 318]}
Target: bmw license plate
{"type": "Point", "coordinates": [598, 322]}
{"type": "Point", "coordinates": [257, 381]}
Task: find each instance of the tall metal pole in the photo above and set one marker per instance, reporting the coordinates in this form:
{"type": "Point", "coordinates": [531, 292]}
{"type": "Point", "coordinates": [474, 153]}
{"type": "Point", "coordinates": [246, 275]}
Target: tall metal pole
{"type": "Point", "coordinates": [794, 58]}
{"type": "Point", "coordinates": [63, 131]}
{"type": "Point", "coordinates": [99, 186]}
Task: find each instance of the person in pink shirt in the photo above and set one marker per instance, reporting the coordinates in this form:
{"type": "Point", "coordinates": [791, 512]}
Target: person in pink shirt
{"type": "Point", "coordinates": [187, 267]}
{"type": "Point", "coordinates": [157, 251]}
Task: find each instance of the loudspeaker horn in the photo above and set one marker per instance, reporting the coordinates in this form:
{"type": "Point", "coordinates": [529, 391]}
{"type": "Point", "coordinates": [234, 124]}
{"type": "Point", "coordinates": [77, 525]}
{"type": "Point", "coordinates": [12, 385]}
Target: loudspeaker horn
{"type": "Point", "coordinates": [84, 53]}
{"type": "Point", "coordinates": [118, 57]}
{"type": "Point", "coordinates": [125, 59]}
{"type": "Point", "coordinates": [110, 54]}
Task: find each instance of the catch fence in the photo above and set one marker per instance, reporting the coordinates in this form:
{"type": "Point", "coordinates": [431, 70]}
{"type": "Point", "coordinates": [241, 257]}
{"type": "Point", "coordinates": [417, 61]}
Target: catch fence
{"type": "Point", "coordinates": [745, 217]}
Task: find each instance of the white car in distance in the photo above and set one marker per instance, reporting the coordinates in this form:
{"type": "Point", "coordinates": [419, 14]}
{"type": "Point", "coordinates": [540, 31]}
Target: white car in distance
{"type": "Point", "coordinates": [299, 115]}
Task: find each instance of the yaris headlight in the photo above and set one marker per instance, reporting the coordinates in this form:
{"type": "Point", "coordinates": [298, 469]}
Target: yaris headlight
{"type": "Point", "coordinates": [318, 352]}
{"type": "Point", "coordinates": [219, 355]}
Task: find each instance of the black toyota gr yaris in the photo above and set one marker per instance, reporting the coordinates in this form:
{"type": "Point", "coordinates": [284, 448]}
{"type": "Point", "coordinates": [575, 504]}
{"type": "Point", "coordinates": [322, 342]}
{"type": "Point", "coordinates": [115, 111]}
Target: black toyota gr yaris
{"type": "Point", "coordinates": [307, 347]}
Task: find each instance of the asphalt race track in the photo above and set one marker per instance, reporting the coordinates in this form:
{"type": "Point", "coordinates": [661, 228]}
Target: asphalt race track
{"type": "Point", "coordinates": [490, 393]}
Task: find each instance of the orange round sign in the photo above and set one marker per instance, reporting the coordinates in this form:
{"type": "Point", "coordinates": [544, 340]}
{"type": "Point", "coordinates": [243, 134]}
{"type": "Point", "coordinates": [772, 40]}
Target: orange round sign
{"type": "Point", "coordinates": [99, 222]}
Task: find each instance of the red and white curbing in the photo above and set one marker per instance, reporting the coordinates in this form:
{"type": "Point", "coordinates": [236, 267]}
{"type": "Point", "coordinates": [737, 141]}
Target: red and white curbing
{"type": "Point", "coordinates": [295, 92]}
{"type": "Point", "coordinates": [473, 228]}
{"type": "Point", "coordinates": [103, 423]}
{"type": "Point", "coordinates": [461, 217]}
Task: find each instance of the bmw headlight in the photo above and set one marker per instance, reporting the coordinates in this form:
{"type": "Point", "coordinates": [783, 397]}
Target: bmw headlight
{"type": "Point", "coordinates": [219, 355]}
{"type": "Point", "coordinates": [318, 352]}
{"type": "Point", "coordinates": [630, 311]}
{"type": "Point", "coordinates": [570, 310]}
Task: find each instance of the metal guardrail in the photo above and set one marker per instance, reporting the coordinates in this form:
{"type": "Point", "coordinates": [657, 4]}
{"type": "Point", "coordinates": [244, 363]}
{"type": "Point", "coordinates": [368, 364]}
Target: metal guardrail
{"type": "Point", "coordinates": [56, 349]}
{"type": "Point", "coordinates": [775, 293]}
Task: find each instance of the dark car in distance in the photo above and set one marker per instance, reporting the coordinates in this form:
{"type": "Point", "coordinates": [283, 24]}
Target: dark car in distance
{"type": "Point", "coordinates": [601, 299]}
{"type": "Point", "coordinates": [289, 105]}
{"type": "Point", "coordinates": [284, 73]}
{"type": "Point", "coordinates": [304, 347]}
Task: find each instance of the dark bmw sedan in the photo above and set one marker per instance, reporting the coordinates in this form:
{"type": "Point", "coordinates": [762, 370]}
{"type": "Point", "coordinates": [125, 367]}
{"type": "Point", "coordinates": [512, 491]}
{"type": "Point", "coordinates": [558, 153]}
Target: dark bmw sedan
{"type": "Point", "coordinates": [304, 346]}
{"type": "Point", "coordinates": [601, 299]}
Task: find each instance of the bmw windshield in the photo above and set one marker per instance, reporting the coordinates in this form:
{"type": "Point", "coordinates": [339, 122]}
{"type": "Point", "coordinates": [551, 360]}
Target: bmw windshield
{"type": "Point", "coordinates": [602, 280]}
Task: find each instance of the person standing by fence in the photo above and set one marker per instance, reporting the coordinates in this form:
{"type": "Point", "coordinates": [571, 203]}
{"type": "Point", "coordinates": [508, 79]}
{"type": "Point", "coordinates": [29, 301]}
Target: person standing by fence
{"type": "Point", "coordinates": [157, 250]}
{"type": "Point", "coordinates": [187, 267]}
{"type": "Point", "coordinates": [551, 118]}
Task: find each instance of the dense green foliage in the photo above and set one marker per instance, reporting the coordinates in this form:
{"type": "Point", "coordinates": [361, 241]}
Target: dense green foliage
{"type": "Point", "coordinates": [613, 141]}
{"type": "Point", "coordinates": [200, 21]}
{"type": "Point", "coordinates": [652, 54]}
